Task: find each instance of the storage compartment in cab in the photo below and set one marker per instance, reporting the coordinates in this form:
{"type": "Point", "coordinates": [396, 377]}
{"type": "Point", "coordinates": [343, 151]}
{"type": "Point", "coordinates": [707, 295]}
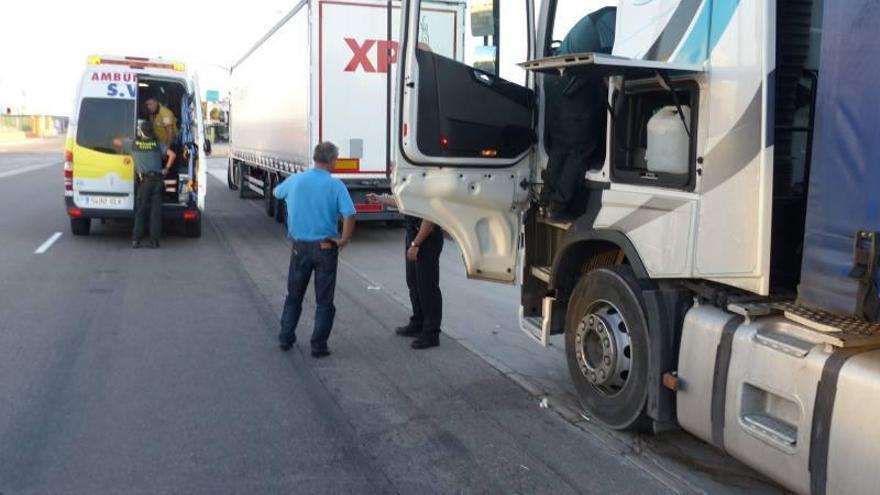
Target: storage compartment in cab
{"type": "Point", "coordinates": [653, 134]}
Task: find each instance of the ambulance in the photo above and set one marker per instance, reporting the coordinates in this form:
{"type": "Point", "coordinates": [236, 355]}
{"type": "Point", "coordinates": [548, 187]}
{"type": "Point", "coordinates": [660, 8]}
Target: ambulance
{"type": "Point", "coordinates": [99, 176]}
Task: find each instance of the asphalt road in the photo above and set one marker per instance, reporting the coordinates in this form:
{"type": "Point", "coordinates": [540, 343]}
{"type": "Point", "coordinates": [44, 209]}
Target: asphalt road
{"type": "Point", "coordinates": [157, 371]}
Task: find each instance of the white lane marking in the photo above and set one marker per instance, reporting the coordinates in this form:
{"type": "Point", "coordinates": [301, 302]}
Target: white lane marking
{"type": "Point", "coordinates": [46, 245]}
{"type": "Point", "coordinates": [22, 170]}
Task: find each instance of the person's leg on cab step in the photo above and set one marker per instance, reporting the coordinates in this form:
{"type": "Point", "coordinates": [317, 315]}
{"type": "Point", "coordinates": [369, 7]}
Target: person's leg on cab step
{"type": "Point", "coordinates": [569, 183]}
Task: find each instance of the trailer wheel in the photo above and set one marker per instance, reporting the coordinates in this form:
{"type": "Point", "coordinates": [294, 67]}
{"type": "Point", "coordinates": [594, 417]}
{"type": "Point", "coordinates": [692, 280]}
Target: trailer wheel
{"type": "Point", "coordinates": [281, 212]}
{"type": "Point", "coordinates": [231, 181]}
{"type": "Point", "coordinates": [80, 226]}
{"type": "Point", "coordinates": [606, 344]}
{"type": "Point", "coordinates": [268, 197]}
{"type": "Point", "coordinates": [241, 181]}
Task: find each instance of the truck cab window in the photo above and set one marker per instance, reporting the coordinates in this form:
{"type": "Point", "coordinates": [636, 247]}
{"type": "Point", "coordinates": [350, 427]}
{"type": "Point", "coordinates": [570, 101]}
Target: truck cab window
{"type": "Point", "coordinates": [472, 98]}
{"type": "Point", "coordinates": [651, 145]}
{"type": "Point", "coordinates": [495, 40]}
{"type": "Point", "coordinates": [566, 14]}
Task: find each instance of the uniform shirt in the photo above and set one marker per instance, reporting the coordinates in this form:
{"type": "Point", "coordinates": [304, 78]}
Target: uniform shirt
{"type": "Point", "coordinates": [162, 118]}
{"type": "Point", "coordinates": [315, 200]}
{"type": "Point", "coordinates": [148, 155]}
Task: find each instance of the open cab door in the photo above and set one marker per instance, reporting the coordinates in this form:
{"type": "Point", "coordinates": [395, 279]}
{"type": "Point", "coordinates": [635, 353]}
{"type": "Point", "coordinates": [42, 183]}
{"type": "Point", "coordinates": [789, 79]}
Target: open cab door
{"type": "Point", "coordinates": [464, 126]}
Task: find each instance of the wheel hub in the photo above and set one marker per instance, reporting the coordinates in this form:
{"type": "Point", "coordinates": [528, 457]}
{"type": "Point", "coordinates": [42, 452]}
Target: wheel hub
{"type": "Point", "coordinates": [603, 348]}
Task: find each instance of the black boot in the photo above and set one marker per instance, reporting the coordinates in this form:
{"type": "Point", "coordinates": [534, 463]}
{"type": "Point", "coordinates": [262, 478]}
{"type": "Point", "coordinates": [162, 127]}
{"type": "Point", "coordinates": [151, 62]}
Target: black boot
{"type": "Point", "coordinates": [408, 331]}
{"type": "Point", "coordinates": [426, 341]}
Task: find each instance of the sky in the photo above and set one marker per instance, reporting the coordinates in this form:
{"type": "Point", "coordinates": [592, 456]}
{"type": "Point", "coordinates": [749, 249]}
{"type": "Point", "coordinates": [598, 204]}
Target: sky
{"type": "Point", "coordinates": [44, 43]}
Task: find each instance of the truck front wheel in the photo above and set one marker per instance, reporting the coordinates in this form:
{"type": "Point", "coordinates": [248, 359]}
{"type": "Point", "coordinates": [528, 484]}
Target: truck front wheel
{"type": "Point", "coordinates": [606, 344]}
{"type": "Point", "coordinates": [80, 226]}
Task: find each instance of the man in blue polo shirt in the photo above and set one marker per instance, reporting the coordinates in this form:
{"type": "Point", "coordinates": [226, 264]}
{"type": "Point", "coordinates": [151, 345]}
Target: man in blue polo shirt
{"type": "Point", "coordinates": [315, 202]}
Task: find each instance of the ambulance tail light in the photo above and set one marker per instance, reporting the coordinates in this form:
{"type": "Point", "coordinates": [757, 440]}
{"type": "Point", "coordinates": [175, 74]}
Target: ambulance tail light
{"type": "Point", "coordinates": [68, 173]}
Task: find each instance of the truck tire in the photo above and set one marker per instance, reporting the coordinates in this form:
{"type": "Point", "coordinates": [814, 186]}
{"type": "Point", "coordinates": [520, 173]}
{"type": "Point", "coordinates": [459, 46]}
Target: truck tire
{"type": "Point", "coordinates": [230, 176]}
{"type": "Point", "coordinates": [80, 226]}
{"type": "Point", "coordinates": [606, 345]}
{"type": "Point", "coordinates": [268, 198]}
{"type": "Point", "coordinates": [281, 212]}
{"type": "Point", "coordinates": [243, 189]}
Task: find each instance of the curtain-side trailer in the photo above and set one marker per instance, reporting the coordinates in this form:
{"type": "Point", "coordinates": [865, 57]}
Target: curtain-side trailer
{"type": "Point", "coordinates": [322, 74]}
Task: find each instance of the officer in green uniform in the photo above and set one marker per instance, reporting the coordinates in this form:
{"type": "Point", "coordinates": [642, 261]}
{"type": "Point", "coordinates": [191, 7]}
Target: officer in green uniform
{"type": "Point", "coordinates": [148, 155]}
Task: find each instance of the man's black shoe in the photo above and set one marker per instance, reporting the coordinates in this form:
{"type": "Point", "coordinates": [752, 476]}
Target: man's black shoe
{"type": "Point", "coordinates": [407, 331]}
{"type": "Point", "coordinates": [320, 353]}
{"type": "Point", "coordinates": [153, 244]}
{"type": "Point", "coordinates": [135, 244]}
{"type": "Point", "coordinates": [426, 342]}
{"type": "Point", "coordinates": [286, 347]}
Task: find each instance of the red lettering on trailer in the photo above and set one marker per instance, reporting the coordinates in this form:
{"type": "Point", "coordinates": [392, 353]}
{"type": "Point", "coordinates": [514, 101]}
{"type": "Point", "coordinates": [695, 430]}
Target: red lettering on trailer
{"type": "Point", "coordinates": [360, 55]}
{"type": "Point", "coordinates": [386, 54]}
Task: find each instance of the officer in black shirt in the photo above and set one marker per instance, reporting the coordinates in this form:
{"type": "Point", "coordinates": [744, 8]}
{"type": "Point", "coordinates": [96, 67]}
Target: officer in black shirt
{"type": "Point", "coordinates": [424, 243]}
{"type": "Point", "coordinates": [148, 155]}
{"type": "Point", "coordinates": [576, 123]}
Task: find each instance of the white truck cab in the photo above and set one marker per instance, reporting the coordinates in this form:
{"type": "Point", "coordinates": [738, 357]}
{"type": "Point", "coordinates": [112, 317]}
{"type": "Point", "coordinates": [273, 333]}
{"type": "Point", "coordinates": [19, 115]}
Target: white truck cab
{"type": "Point", "coordinates": [99, 178]}
{"type": "Point", "coordinates": [676, 281]}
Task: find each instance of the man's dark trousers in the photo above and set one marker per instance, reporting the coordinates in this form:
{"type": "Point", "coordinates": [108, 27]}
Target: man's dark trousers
{"type": "Point", "coordinates": [305, 258]}
{"type": "Point", "coordinates": [149, 202]}
{"type": "Point", "coordinates": [423, 281]}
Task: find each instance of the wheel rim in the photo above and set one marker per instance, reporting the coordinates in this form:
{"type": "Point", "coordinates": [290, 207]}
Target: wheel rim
{"type": "Point", "coordinates": [603, 348]}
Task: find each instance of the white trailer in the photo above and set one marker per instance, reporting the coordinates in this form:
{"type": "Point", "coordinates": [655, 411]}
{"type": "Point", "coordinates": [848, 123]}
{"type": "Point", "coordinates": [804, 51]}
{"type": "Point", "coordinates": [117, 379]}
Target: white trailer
{"type": "Point", "coordinates": [322, 73]}
{"type": "Point", "coordinates": [692, 283]}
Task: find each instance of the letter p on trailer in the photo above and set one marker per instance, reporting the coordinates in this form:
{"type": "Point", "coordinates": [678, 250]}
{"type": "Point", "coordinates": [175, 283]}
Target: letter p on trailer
{"type": "Point", "coordinates": [323, 73]}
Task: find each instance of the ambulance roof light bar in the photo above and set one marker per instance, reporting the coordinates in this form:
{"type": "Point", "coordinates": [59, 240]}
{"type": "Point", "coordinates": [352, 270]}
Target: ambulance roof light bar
{"type": "Point", "coordinates": [136, 63]}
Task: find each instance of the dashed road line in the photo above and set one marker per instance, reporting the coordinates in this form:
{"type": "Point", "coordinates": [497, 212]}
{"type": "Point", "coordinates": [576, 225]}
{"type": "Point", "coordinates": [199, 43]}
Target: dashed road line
{"type": "Point", "coordinates": [46, 245]}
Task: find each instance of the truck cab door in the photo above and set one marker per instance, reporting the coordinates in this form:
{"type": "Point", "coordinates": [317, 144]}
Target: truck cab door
{"type": "Point", "coordinates": [463, 125]}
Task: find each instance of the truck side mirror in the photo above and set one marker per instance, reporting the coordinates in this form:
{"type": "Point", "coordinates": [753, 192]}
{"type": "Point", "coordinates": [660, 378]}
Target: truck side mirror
{"type": "Point", "coordinates": [482, 18]}
{"type": "Point", "coordinates": [484, 59]}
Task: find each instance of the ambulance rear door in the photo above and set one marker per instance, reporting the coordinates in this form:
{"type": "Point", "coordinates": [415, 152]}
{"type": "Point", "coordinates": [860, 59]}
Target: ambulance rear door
{"type": "Point", "coordinates": [103, 172]}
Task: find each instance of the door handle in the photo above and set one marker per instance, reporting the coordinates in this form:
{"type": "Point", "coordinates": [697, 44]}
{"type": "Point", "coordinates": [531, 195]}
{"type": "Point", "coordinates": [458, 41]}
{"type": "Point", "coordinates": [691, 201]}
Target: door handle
{"type": "Point", "coordinates": [483, 78]}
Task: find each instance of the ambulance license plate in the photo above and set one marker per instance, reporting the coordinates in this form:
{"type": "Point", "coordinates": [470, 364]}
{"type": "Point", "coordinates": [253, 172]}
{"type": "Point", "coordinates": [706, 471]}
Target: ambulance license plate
{"type": "Point", "coordinates": [103, 201]}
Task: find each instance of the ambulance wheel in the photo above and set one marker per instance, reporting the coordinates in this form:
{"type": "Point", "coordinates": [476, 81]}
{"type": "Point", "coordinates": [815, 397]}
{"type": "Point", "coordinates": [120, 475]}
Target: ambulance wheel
{"type": "Point", "coordinates": [268, 198]}
{"type": "Point", "coordinates": [606, 345]}
{"type": "Point", "coordinates": [80, 226]}
{"type": "Point", "coordinates": [193, 228]}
